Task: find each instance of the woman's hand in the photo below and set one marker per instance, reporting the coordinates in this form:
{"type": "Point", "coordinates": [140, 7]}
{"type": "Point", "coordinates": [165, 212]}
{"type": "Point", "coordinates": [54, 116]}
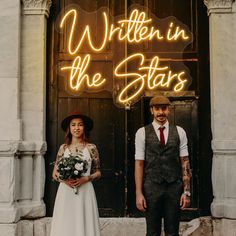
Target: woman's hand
{"type": "Point", "coordinates": [68, 182]}
{"type": "Point", "coordinates": [77, 182]}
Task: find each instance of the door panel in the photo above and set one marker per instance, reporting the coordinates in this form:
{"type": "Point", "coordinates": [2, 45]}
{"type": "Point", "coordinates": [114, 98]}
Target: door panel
{"type": "Point", "coordinates": [109, 128]}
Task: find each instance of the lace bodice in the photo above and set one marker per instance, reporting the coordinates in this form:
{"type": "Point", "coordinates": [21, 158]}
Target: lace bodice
{"type": "Point", "coordinates": [89, 153]}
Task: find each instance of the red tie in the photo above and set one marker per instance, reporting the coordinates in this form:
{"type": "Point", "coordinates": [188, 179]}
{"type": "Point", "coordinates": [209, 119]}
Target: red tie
{"type": "Point", "coordinates": [162, 138]}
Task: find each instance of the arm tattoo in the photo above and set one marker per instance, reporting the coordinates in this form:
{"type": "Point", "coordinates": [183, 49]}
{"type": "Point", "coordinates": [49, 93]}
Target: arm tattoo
{"type": "Point", "coordinates": [186, 172]}
{"type": "Point", "coordinates": [95, 168]}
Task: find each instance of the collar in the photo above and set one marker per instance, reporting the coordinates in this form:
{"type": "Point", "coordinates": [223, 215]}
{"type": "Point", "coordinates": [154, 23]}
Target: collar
{"type": "Point", "coordinates": [157, 126]}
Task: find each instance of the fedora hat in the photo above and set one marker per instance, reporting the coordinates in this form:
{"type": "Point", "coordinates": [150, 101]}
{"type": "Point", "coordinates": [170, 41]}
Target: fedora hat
{"type": "Point", "coordinates": [88, 122]}
{"type": "Point", "coordinates": [159, 100]}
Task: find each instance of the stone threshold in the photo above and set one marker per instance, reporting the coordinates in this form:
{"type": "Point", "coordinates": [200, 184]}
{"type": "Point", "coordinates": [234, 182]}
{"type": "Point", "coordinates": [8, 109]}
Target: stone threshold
{"type": "Point", "coordinates": [203, 226]}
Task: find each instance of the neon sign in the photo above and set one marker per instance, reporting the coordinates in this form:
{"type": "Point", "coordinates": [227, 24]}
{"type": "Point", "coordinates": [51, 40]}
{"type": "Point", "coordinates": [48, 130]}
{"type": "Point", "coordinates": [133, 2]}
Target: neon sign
{"type": "Point", "coordinates": [78, 69]}
{"type": "Point", "coordinates": [154, 75]}
{"type": "Point", "coordinates": [149, 73]}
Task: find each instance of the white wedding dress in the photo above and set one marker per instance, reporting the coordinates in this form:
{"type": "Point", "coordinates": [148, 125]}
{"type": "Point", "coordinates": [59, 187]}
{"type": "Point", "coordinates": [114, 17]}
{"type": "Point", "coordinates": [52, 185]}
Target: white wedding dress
{"type": "Point", "coordinates": [76, 214]}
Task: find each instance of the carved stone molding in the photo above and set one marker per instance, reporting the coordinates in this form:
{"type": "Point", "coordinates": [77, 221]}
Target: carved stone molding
{"type": "Point", "coordinates": [36, 7]}
{"type": "Point", "coordinates": [224, 147]}
{"type": "Point", "coordinates": [219, 6]}
{"type": "Point", "coordinates": [21, 147]}
{"type": "Point", "coordinates": [33, 147]}
{"type": "Point", "coordinates": [9, 148]}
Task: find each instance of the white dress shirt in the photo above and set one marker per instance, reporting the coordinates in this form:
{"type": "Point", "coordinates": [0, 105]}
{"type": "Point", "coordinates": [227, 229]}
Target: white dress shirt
{"type": "Point", "coordinates": [140, 140]}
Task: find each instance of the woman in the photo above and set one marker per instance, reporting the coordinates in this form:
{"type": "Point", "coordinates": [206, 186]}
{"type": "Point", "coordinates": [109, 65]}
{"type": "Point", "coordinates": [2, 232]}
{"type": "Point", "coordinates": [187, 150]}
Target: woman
{"type": "Point", "coordinates": [77, 214]}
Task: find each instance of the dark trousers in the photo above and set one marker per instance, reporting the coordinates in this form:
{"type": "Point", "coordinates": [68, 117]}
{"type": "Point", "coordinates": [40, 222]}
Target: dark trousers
{"type": "Point", "coordinates": [163, 202]}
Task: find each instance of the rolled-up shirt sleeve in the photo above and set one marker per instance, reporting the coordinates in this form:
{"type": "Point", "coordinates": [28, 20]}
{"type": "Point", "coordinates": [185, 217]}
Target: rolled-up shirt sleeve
{"type": "Point", "coordinates": [183, 146]}
{"type": "Point", "coordinates": [140, 144]}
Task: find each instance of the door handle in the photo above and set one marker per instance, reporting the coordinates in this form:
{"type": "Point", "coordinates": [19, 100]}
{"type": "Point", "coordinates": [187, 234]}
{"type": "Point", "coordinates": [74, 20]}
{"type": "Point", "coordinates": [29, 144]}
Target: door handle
{"type": "Point", "coordinates": [118, 174]}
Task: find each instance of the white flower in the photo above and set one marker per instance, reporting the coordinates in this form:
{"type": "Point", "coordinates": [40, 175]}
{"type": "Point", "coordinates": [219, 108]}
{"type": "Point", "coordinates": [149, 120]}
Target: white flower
{"type": "Point", "coordinates": [79, 166]}
{"type": "Point", "coordinates": [76, 172]}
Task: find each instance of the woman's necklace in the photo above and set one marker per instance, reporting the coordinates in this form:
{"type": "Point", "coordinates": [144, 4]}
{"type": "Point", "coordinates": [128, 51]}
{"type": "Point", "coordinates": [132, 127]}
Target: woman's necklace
{"type": "Point", "coordinates": [78, 147]}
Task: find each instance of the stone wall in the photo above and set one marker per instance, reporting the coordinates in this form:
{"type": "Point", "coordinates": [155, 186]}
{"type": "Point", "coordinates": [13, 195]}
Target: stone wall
{"type": "Point", "coordinates": [23, 111]}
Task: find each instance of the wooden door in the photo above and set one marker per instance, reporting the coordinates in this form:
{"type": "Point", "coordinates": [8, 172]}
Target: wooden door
{"type": "Point", "coordinates": [190, 110]}
{"type": "Point", "coordinates": [109, 129]}
{"type": "Point", "coordinates": [115, 127]}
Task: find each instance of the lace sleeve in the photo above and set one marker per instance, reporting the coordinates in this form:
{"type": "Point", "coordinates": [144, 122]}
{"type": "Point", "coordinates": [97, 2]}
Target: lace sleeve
{"type": "Point", "coordinates": [60, 152]}
{"type": "Point", "coordinates": [95, 158]}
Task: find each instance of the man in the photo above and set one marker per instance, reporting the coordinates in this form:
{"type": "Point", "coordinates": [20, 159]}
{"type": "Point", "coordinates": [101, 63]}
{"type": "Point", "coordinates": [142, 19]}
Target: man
{"type": "Point", "coordinates": [162, 172]}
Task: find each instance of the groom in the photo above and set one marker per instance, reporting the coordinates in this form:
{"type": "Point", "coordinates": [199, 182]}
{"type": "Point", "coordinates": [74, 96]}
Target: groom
{"type": "Point", "coordinates": [162, 172]}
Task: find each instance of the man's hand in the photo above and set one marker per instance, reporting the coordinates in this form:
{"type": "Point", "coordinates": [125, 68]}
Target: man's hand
{"type": "Point", "coordinates": [141, 202]}
{"type": "Point", "coordinates": [184, 201]}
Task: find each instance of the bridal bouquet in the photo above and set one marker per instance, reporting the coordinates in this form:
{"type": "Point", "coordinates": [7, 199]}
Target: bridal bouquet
{"type": "Point", "coordinates": [71, 167]}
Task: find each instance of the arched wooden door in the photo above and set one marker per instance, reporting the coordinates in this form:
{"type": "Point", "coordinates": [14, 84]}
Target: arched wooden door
{"type": "Point", "coordinates": [115, 127]}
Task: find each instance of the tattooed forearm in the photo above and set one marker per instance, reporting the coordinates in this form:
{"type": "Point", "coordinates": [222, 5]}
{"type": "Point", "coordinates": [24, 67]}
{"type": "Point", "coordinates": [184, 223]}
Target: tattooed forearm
{"type": "Point", "coordinates": [186, 172]}
{"type": "Point", "coordinates": [95, 167]}
{"type": "Point", "coordinates": [95, 176]}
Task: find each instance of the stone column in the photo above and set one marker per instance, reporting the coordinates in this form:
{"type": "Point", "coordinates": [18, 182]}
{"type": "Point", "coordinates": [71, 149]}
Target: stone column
{"type": "Point", "coordinates": [222, 20]}
{"type": "Point", "coordinates": [33, 61]}
{"type": "Point", "coordinates": [33, 106]}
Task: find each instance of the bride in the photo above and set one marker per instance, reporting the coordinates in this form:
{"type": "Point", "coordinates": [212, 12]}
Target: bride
{"type": "Point", "coordinates": [77, 214]}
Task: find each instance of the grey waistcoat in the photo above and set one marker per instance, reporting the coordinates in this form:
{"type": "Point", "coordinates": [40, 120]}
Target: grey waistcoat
{"type": "Point", "coordinates": [161, 163]}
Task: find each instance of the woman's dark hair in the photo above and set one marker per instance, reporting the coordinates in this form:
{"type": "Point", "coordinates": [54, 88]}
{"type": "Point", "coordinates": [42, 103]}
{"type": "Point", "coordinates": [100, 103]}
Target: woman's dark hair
{"type": "Point", "coordinates": [68, 135]}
